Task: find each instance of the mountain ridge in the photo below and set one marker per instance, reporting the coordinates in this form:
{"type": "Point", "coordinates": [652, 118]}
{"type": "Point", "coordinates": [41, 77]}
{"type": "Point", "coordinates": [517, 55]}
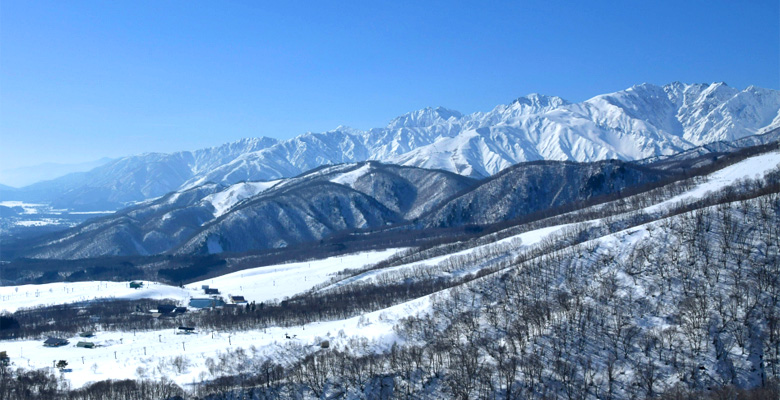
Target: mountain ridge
{"type": "Point", "coordinates": [642, 121]}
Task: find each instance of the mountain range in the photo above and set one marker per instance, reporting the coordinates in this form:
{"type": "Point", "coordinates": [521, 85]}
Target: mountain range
{"type": "Point", "coordinates": [248, 216]}
{"type": "Point", "coordinates": [640, 122]}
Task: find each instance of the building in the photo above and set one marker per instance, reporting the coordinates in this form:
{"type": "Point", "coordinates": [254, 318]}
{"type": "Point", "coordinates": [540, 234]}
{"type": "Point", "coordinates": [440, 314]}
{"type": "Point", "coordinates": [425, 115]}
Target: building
{"type": "Point", "coordinates": [166, 308]}
{"type": "Point", "coordinates": [86, 345]}
{"type": "Point", "coordinates": [55, 342]}
{"type": "Point", "coordinates": [237, 299]}
{"type": "Point", "coordinates": [136, 285]}
{"type": "Point", "coordinates": [207, 302]}
{"type": "Point", "coordinates": [211, 291]}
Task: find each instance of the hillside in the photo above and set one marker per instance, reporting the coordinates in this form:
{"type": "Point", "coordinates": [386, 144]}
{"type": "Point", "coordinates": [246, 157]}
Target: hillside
{"type": "Point", "coordinates": [257, 215]}
{"type": "Point", "coordinates": [251, 216]}
{"type": "Point", "coordinates": [672, 291]}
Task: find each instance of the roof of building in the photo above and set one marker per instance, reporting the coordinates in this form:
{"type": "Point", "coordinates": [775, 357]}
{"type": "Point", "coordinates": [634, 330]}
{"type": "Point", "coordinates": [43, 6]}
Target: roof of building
{"type": "Point", "coordinates": [166, 308]}
{"type": "Point", "coordinates": [52, 341]}
{"type": "Point", "coordinates": [206, 302]}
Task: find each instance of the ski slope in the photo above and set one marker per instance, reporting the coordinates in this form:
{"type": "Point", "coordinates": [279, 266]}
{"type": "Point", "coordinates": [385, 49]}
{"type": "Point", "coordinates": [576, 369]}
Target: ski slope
{"type": "Point", "coordinates": [27, 296]}
{"type": "Point", "coordinates": [752, 167]}
{"type": "Point", "coordinates": [256, 284]}
{"type": "Point", "coordinates": [284, 280]}
{"type": "Point", "coordinates": [522, 242]}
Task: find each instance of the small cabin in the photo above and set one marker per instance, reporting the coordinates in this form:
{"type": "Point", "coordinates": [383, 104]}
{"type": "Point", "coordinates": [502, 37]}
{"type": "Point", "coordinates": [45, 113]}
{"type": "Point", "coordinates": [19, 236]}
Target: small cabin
{"type": "Point", "coordinates": [237, 299]}
{"type": "Point", "coordinates": [87, 334]}
{"type": "Point", "coordinates": [136, 285]}
{"type": "Point", "coordinates": [185, 330]}
{"type": "Point", "coordinates": [86, 345]}
{"type": "Point", "coordinates": [211, 291]}
{"type": "Point", "coordinates": [55, 342]}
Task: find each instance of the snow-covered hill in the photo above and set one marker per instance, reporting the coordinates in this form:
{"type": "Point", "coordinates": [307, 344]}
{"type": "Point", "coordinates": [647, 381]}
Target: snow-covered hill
{"type": "Point", "coordinates": [642, 121]}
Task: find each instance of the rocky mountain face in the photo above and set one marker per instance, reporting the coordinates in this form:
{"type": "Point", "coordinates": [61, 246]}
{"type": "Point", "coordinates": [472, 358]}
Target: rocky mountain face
{"type": "Point", "coordinates": [642, 121]}
{"type": "Point", "coordinates": [535, 186]}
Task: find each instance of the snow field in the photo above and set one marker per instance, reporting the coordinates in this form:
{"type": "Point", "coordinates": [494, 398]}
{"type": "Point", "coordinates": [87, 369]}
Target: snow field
{"type": "Point", "coordinates": [121, 354]}
{"type": "Point", "coordinates": [256, 284]}
{"type": "Point", "coordinates": [284, 280]}
{"type": "Point", "coordinates": [26, 296]}
{"type": "Point", "coordinates": [526, 240]}
{"type": "Point", "coordinates": [132, 355]}
{"type": "Point", "coordinates": [751, 167]}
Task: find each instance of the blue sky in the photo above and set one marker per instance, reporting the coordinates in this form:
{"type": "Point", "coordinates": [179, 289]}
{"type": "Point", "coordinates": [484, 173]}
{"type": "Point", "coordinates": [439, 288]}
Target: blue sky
{"type": "Point", "coordinates": [83, 80]}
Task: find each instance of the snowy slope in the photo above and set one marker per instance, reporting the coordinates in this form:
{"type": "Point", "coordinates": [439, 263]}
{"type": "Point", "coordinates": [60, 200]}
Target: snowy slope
{"type": "Point", "coordinates": [26, 296]}
{"type": "Point", "coordinates": [750, 168]}
{"type": "Point", "coordinates": [224, 200]}
{"type": "Point", "coordinates": [256, 284]}
{"type": "Point", "coordinates": [148, 354]}
{"type": "Point", "coordinates": [284, 280]}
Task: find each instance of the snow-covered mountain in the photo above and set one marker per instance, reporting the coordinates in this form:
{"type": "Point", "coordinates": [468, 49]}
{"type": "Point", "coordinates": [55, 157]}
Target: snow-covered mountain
{"type": "Point", "coordinates": [643, 121]}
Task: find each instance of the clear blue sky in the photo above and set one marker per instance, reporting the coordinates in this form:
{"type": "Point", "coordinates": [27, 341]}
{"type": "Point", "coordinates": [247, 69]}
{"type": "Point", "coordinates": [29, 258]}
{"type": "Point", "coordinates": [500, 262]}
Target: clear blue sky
{"type": "Point", "coordinates": [81, 80]}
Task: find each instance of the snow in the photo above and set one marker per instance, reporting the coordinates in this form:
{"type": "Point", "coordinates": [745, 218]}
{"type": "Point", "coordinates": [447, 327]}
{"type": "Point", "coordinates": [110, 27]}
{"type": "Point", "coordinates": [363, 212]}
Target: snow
{"type": "Point", "coordinates": [26, 296]}
{"type": "Point", "coordinates": [284, 280]}
{"type": "Point", "coordinates": [40, 222]}
{"type": "Point", "coordinates": [256, 284]}
{"type": "Point", "coordinates": [752, 167]}
{"type": "Point", "coordinates": [124, 355]}
{"type": "Point", "coordinates": [29, 208]}
{"type": "Point", "coordinates": [642, 121]}
{"type": "Point", "coordinates": [350, 177]}
{"type": "Point", "coordinates": [226, 199]}
{"type": "Point", "coordinates": [526, 240]}
{"type": "Point", "coordinates": [130, 355]}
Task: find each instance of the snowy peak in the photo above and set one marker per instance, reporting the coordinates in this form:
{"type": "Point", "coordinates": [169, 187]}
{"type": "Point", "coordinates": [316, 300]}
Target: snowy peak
{"type": "Point", "coordinates": [425, 118]}
{"type": "Point", "coordinates": [520, 108]}
{"type": "Point", "coordinates": [538, 102]}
